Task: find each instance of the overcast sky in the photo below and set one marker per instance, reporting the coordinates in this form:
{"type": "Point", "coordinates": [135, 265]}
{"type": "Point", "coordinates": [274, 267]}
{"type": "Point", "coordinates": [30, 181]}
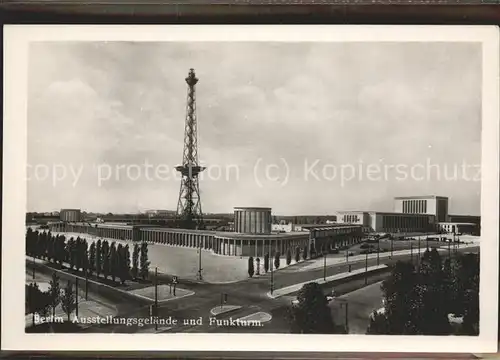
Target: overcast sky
{"type": "Point", "coordinates": [304, 107]}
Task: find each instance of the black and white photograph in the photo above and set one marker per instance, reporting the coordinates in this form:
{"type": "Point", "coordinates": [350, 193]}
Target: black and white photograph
{"type": "Point", "coordinates": [225, 181]}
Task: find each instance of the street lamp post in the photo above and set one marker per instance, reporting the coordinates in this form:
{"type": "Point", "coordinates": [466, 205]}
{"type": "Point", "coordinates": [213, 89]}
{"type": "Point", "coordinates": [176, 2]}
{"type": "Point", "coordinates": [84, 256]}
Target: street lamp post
{"type": "Point", "coordinates": [156, 298]}
{"type": "Point", "coordinates": [324, 266]}
{"type": "Point", "coordinates": [199, 259]}
{"type": "Point", "coordinates": [366, 268]}
{"type": "Point", "coordinates": [345, 304]}
{"type": "Point", "coordinates": [411, 252]}
{"type": "Point", "coordinates": [418, 256]}
{"type": "Point", "coordinates": [86, 284]}
{"type": "Point", "coordinates": [378, 252]}
{"type": "Point", "coordinates": [76, 296]}
{"type": "Point", "coordinates": [272, 277]}
{"type": "Point", "coordinates": [392, 246]}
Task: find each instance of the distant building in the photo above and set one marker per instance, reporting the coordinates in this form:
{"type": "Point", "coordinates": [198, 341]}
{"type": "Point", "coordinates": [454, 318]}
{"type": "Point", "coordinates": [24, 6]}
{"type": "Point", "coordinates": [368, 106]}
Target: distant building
{"type": "Point", "coordinates": [254, 237]}
{"type": "Point", "coordinates": [430, 205]}
{"type": "Point", "coordinates": [159, 213]}
{"type": "Point", "coordinates": [283, 227]}
{"type": "Point", "coordinates": [375, 221]}
{"type": "Point", "coordinates": [459, 228]}
{"type": "Point", "coordinates": [252, 220]}
{"type": "Point", "coordinates": [70, 215]}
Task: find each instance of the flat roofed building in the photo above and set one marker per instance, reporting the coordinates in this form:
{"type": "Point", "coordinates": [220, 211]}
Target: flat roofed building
{"type": "Point", "coordinates": [70, 215]}
{"type": "Point", "coordinates": [387, 222]}
{"type": "Point", "coordinates": [430, 205]}
{"type": "Point", "coordinates": [459, 228]}
{"type": "Point", "coordinates": [315, 237]}
{"type": "Point", "coordinates": [252, 220]}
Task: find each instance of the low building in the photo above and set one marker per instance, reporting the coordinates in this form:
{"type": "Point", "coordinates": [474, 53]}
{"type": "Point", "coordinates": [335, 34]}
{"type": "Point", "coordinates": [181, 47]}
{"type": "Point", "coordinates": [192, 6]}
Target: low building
{"type": "Point", "coordinates": [70, 215]}
{"type": "Point", "coordinates": [459, 228]}
{"type": "Point", "coordinates": [283, 227]}
{"type": "Point", "coordinates": [471, 219]}
{"type": "Point", "coordinates": [375, 221]}
{"type": "Point", "coordinates": [315, 237]}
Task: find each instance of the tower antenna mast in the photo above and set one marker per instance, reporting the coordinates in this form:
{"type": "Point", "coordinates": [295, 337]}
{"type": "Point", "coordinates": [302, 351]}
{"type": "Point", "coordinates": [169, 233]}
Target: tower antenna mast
{"type": "Point", "coordinates": [189, 205]}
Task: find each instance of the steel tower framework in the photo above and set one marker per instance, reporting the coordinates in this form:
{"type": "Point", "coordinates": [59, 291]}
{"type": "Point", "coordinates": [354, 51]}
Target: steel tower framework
{"type": "Point", "coordinates": [189, 205]}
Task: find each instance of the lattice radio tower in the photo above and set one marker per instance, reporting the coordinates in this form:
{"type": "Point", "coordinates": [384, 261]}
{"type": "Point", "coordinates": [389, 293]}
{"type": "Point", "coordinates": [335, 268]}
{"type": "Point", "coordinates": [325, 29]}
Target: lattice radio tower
{"type": "Point", "coordinates": [189, 204]}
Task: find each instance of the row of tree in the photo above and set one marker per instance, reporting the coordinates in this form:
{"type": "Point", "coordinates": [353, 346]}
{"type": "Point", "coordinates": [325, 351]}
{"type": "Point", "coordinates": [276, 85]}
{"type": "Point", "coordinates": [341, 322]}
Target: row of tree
{"type": "Point", "coordinates": [419, 299]}
{"type": "Point", "coordinates": [100, 258]}
{"type": "Point", "coordinates": [254, 269]}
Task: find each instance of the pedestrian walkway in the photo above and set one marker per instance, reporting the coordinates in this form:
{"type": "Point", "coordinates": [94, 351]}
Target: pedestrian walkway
{"type": "Point", "coordinates": [296, 287]}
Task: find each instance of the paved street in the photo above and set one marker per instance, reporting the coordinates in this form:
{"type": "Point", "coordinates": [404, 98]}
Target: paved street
{"type": "Point", "coordinates": [362, 302]}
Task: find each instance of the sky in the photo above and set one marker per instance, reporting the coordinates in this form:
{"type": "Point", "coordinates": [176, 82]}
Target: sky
{"type": "Point", "coordinates": [305, 128]}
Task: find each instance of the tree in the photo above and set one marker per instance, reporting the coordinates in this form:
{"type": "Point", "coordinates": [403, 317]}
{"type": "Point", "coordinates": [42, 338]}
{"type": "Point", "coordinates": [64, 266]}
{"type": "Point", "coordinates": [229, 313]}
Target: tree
{"type": "Point", "coordinates": [68, 300]}
{"type": "Point", "coordinates": [135, 261]}
{"type": "Point", "coordinates": [92, 258]}
{"type": "Point", "coordinates": [29, 242]}
{"type": "Point", "coordinates": [463, 284]}
{"type": "Point", "coordinates": [84, 256]}
{"type": "Point", "coordinates": [414, 301]}
{"type": "Point", "coordinates": [297, 254]}
{"type": "Point", "coordinates": [123, 263]}
{"type": "Point", "coordinates": [250, 266]}
{"type": "Point", "coordinates": [311, 315]}
{"type": "Point", "coordinates": [114, 265]}
{"type": "Point", "coordinates": [144, 269]}
{"type": "Point", "coordinates": [277, 260]}
{"type": "Point", "coordinates": [55, 292]}
{"type": "Point", "coordinates": [106, 263]}
{"type": "Point", "coordinates": [37, 301]}
{"type": "Point", "coordinates": [98, 258]}
{"type": "Point", "coordinates": [71, 252]}
{"type": "Point", "coordinates": [288, 257]}
{"type": "Point", "coordinates": [304, 253]}
{"type": "Point", "coordinates": [266, 263]}
{"type": "Point", "coordinates": [61, 249]}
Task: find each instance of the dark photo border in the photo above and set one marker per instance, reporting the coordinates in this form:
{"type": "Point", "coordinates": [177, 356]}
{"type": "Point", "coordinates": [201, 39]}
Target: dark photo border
{"type": "Point", "coordinates": [396, 12]}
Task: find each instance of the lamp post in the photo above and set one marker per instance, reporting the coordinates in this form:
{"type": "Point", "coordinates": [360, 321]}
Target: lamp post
{"type": "Point", "coordinates": [418, 256]}
{"type": "Point", "coordinates": [76, 296]}
{"type": "Point", "coordinates": [324, 266]}
{"type": "Point", "coordinates": [156, 298]}
{"type": "Point", "coordinates": [378, 251]}
{"type": "Point", "coordinates": [272, 277]}
{"type": "Point", "coordinates": [345, 305]}
{"type": "Point", "coordinates": [366, 268]}
{"type": "Point", "coordinates": [392, 246]}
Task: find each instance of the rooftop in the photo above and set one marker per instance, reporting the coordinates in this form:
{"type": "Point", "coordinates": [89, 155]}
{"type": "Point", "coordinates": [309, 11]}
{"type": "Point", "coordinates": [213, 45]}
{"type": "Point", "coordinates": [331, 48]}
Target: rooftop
{"type": "Point", "coordinates": [420, 197]}
{"type": "Point", "coordinates": [252, 208]}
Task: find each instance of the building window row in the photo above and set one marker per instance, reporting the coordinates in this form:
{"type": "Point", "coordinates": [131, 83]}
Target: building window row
{"type": "Point", "coordinates": [394, 222]}
{"type": "Point", "coordinates": [415, 206]}
{"type": "Point", "coordinates": [350, 218]}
